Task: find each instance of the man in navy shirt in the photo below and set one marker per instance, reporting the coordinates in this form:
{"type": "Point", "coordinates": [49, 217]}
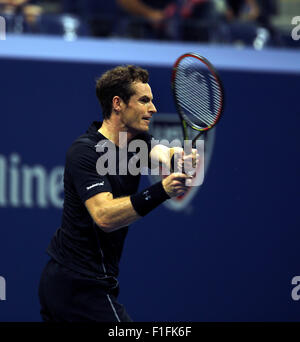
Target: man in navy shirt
{"type": "Point", "coordinates": [79, 283]}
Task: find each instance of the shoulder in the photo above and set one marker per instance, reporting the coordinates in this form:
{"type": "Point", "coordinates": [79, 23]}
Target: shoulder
{"type": "Point", "coordinates": [81, 144]}
{"type": "Point", "coordinates": [83, 149]}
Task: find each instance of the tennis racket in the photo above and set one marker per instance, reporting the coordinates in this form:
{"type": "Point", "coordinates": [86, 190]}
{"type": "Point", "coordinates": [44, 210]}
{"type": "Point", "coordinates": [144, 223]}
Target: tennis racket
{"type": "Point", "coordinates": [198, 95]}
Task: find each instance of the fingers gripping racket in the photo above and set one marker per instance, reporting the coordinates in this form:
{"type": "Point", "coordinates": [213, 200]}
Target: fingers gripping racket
{"type": "Point", "coordinates": [198, 94]}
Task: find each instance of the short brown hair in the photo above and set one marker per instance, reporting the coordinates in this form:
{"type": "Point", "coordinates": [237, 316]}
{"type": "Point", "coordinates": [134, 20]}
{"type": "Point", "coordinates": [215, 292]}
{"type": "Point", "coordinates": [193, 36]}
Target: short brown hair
{"type": "Point", "coordinates": [117, 82]}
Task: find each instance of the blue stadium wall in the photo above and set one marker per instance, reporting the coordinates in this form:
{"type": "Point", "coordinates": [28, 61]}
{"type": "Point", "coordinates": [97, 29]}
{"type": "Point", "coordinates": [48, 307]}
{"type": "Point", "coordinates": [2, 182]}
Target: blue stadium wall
{"type": "Point", "coordinates": [230, 256]}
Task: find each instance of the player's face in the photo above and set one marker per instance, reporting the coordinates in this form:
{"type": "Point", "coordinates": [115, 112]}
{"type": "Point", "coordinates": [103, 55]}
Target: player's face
{"type": "Point", "coordinates": [137, 114]}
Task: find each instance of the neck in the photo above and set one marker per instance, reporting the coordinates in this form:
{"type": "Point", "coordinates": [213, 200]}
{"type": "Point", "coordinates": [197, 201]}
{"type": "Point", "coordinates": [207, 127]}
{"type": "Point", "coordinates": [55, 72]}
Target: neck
{"type": "Point", "coordinates": [111, 129]}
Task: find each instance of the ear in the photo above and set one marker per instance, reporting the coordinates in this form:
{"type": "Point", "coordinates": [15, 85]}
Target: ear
{"type": "Point", "coordinates": [117, 104]}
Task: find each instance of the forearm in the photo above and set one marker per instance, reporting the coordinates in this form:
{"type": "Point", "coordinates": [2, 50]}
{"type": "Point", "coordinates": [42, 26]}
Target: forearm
{"type": "Point", "coordinates": [163, 155]}
{"type": "Point", "coordinates": [123, 211]}
{"type": "Point", "coordinates": [112, 214]}
{"type": "Point", "coordinates": [116, 213]}
{"type": "Point", "coordinates": [136, 7]}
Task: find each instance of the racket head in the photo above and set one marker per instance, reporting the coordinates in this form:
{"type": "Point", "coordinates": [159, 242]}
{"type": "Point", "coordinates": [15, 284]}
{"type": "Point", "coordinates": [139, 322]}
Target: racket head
{"type": "Point", "coordinates": [198, 92]}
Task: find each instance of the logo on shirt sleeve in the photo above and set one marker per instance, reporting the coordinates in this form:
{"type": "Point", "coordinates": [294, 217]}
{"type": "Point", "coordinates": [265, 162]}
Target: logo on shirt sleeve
{"type": "Point", "coordinates": [94, 185]}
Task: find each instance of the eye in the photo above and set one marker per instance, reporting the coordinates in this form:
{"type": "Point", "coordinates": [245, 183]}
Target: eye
{"type": "Point", "coordinates": [144, 99]}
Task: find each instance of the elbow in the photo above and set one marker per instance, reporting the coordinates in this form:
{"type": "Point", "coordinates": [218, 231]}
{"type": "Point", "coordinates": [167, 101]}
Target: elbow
{"type": "Point", "coordinates": [105, 226]}
{"type": "Point", "coordinates": [105, 223]}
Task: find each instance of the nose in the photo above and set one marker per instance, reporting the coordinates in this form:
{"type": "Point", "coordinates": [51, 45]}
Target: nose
{"type": "Point", "coordinates": [152, 109]}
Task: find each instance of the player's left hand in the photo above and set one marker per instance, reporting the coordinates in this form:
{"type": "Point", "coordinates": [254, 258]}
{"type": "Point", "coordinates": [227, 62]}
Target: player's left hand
{"type": "Point", "coordinates": [186, 163]}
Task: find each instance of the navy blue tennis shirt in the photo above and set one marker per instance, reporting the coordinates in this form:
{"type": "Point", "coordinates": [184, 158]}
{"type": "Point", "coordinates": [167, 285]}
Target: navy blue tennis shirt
{"type": "Point", "coordinates": [79, 243]}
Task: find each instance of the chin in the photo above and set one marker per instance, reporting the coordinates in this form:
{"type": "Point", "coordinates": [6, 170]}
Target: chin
{"type": "Point", "coordinates": [139, 129]}
{"type": "Point", "coordinates": [146, 129]}
{"type": "Point", "coordinates": [143, 129]}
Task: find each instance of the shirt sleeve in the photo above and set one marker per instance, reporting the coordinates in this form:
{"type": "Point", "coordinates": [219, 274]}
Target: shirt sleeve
{"type": "Point", "coordinates": [81, 165]}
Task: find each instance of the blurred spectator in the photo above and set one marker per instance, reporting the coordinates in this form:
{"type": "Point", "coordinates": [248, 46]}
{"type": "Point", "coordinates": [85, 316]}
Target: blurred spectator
{"type": "Point", "coordinates": [152, 10]}
{"type": "Point", "coordinates": [242, 9]}
{"type": "Point", "coordinates": [259, 11]}
{"type": "Point", "coordinates": [101, 15]}
{"type": "Point", "coordinates": [146, 18]}
{"type": "Point", "coordinates": [268, 9]}
{"type": "Point", "coordinates": [218, 21]}
{"type": "Point", "coordinates": [21, 15]}
{"type": "Point", "coordinates": [249, 21]}
{"type": "Point", "coordinates": [168, 19]}
{"type": "Point", "coordinates": [32, 14]}
{"type": "Point", "coordinates": [199, 20]}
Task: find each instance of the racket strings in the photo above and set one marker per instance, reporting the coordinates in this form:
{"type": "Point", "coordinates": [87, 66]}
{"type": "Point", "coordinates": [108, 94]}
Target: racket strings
{"type": "Point", "coordinates": [196, 98]}
{"type": "Point", "coordinates": [196, 108]}
{"type": "Point", "coordinates": [197, 92]}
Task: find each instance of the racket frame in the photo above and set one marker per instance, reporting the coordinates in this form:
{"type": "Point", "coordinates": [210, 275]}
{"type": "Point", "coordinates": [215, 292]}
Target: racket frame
{"type": "Point", "coordinates": [186, 123]}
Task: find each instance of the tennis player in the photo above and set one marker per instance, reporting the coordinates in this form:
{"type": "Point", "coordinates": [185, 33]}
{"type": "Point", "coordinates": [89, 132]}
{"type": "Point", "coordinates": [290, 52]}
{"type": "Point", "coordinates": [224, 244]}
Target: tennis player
{"type": "Point", "coordinates": [79, 283]}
